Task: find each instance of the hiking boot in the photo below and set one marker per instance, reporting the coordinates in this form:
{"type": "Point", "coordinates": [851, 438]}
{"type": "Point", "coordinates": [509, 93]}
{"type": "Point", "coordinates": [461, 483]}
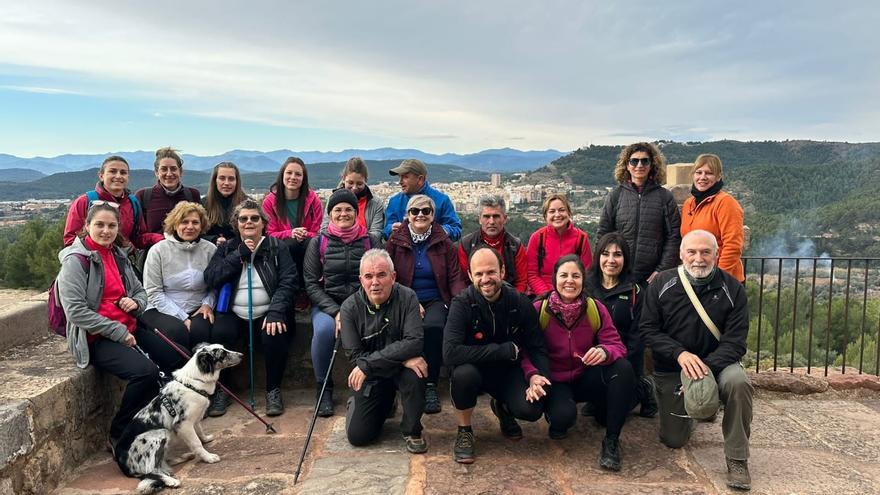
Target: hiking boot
{"type": "Point", "coordinates": [509, 427]}
{"type": "Point", "coordinates": [609, 458]}
{"type": "Point", "coordinates": [588, 410]}
{"type": "Point", "coordinates": [463, 450]}
{"type": "Point", "coordinates": [647, 398]}
{"type": "Point", "coordinates": [219, 403]}
{"type": "Point", "coordinates": [432, 399]}
{"type": "Point", "coordinates": [738, 476]}
{"type": "Point", "coordinates": [274, 404]}
{"type": "Point", "coordinates": [415, 444]}
{"type": "Point", "coordinates": [325, 407]}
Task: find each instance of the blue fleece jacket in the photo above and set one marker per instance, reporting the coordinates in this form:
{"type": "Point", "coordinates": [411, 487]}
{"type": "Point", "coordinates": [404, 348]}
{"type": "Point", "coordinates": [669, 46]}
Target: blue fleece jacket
{"type": "Point", "coordinates": [444, 216]}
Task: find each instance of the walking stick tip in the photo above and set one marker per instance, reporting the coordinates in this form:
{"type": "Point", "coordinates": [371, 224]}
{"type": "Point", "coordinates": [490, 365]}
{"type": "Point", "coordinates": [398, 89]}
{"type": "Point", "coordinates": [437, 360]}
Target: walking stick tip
{"type": "Point", "coordinates": [270, 429]}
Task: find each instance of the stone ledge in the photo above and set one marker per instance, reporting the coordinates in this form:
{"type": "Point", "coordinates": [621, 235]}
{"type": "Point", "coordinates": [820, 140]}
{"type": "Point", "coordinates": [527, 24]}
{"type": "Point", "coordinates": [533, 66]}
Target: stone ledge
{"type": "Point", "coordinates": [54, 415]}
{"type": "Point", "coordinates": [800, 383]}
{"type": "Point", "coordinates": [23, 321]}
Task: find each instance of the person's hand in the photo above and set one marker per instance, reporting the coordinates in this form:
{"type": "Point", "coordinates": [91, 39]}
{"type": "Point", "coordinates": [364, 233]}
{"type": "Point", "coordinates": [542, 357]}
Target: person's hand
{"type": "Point", "coordinates": [652, 276]}
{"type": "Point", "coordinates": [250, 243]}
{"type": "Point", "coordinates": [536, 391]}
{"type": "Point", "coordinates": [421, 311]}
{"type": "Point", "coordinates": [356, 379]}
{"type": "Point", "coordinates": [338, 324]}
{"type": "Point", "coordinates": [693, 367]}
{"type": "Point", "coordinates": [207, 312]}
{"type": "Point", "coordinates": [274, 327]}
{"type": "Point", "coordinates": [594, 356]}
{"type": "Point", "coordinates": [220, 240]}
{"type": "Point", "coordinates": [418, 365]}
{"type": "Point", "coordinates": [299, 233]}
{"type": "Point", "coordinates": [129, 340]}
{"type": "Point", "coordinates": [127, 304]}
{"type": "Point", "coordinates": [395, 226]}
{"type": "Point", "coordinates": [188, 324]}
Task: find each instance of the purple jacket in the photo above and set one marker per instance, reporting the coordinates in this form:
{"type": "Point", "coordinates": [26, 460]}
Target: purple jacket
{"type": "Point", "coordinates": [442, 254]}
{"type": "Point", "coordinates": [564, 344]}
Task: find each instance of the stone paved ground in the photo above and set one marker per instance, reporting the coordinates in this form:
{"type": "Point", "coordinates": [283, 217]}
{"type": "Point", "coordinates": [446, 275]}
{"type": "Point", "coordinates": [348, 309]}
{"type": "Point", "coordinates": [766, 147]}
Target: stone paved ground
{"type": "Point", "coordinates": [825, 444]}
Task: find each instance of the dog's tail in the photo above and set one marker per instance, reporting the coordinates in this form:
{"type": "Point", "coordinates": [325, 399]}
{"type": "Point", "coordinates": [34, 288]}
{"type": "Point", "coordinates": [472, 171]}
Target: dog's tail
{"type": "Point", "coordinates": [151, 483]}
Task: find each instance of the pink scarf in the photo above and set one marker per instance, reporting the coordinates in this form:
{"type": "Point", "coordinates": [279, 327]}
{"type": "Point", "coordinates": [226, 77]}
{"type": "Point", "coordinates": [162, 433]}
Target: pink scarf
{"type": "Point", "coordinates": [570, 312]}
{"type": "Point", "coordinates": [347, 236]}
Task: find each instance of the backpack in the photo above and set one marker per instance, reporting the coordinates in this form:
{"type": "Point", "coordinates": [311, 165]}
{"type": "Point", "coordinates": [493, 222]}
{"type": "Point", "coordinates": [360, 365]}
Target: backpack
{"type": "Point", "coordinates": [135, 205]}
{"type": "Point", "coordinates": [57, 318]}
{"type": "Point", "coordinates": [592, 315]}
{"type": "Point", "coordinates": [542, 253]}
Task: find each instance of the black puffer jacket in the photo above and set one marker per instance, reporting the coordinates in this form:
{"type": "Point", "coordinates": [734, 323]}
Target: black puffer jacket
{"type": "Point", "coordinates": [331, 280]}
{"type": "Point", "coordinates": [650, 223]}
{"type": "Point", "coordinates": [624, 302]}
{"type": "Point", "coordinates": [272, 263]}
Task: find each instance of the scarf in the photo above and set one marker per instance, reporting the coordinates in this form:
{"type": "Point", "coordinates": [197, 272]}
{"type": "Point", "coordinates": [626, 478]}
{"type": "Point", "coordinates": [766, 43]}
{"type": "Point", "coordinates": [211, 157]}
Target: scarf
{"type": "Point", "coordinates": [172, 192]}
{"type": "Point", "coordinates": [185, 245]}
{"type": "Point", "coordinates": [493, 242]}
{"type": "Point", "coordinates": [570, 312]}
{"type": "Point", "coordinates": [698, 282]}
{"type": "Point", "coordinates": [700, 196]}
{"type": "Point", "coordinates": [347, 235]}
{"type": "Point", "coordinates": [418, 238]}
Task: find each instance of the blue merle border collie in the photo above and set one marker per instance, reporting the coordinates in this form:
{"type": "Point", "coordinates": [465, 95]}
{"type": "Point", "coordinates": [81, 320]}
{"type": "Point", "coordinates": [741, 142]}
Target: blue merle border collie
{"type": "Point", "coordinates": [174, 414]}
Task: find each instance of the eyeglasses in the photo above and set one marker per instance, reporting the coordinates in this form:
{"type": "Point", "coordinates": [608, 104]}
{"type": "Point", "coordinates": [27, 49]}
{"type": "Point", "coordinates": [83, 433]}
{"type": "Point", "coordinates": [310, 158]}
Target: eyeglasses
{"type": "Point", "coordinates": [635, 162]}
{"type": "Point", "coordinates": [100, 202]}
{"type": "Point", "coordinates": [424, 211]}
{"type": "Point", "coordinates": [252, 219]}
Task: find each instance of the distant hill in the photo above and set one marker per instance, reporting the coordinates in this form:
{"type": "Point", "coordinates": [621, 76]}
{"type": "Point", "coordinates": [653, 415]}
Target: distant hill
{"type": "Point", "coordinates": [321, 175]}
{"type": "Point", "coordinates": [20, 175]}
{"type": "Point", "coordinates": [805, 196]}
{"type": "Point", "coordinates": [496, 160]}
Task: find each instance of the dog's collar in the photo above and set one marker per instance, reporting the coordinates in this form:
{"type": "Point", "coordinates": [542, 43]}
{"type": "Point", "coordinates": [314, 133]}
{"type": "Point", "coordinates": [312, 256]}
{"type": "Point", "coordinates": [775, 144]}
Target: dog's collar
{"type": "Point", "coordinates": [200, 392]}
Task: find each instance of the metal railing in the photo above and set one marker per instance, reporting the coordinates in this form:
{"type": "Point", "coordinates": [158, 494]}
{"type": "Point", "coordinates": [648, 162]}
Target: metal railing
{"type": "Point", "coordinates": [813, 312]}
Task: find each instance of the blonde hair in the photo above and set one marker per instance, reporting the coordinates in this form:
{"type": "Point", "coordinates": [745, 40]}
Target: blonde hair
{"type": "Point", "coordinates": [710, 160]}
{"type": "Point", "coordinates": [554, 197]}
{"type": "Point", "coordinates": [182, 210]}
{"type": "Point", "coordinates": [658, 163]}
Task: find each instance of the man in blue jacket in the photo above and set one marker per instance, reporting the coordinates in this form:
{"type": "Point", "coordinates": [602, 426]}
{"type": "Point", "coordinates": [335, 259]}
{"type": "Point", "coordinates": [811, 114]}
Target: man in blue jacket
{"type": "Point", "coordinates": [413, 179]}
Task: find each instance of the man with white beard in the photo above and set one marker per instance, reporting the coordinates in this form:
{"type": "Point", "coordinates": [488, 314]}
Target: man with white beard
{"type": "Point", "coordinates": [697, 356]}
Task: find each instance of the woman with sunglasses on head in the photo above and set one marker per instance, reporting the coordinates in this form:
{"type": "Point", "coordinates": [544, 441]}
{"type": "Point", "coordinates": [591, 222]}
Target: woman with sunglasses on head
{"type": "Point", "coordinates": [112, 187]}
{"type": "Point", "coordinates": [609, 281]}
{"type": "Point", "coordinates": [549, 243]}
{"type": "Point", "coordinates": [102, 298]}
{"type": "Point", "coordinates": [264, 292]}
{"type": "Point", "coordinates": [224, 193]}
{"type": "Point", "coordinates": [713, 210]}
{"type": "Point", "coordinates": [295, 213]}
{"type": "Point", "coordinates": [371, 212]}
{"type": "Point", "coordinates": [332, 264]}
{"type": "Point", "coordinates": [643, 211]}
{"type": "Point", "coordinates": [160, 199]}
{"type": "Point", "coordinates": [585, 354]}
{"type": "Point", "coordinates": [426, 261]}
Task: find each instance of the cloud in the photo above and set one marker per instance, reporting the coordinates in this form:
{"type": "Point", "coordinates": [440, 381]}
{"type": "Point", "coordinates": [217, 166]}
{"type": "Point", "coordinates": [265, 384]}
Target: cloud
{"type": "Point", "coordinates": [40, 90]}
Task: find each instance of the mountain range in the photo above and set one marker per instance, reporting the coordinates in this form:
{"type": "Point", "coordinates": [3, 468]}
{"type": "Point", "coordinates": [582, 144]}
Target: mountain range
{"type": "Point", "coordinates": [492, 160]}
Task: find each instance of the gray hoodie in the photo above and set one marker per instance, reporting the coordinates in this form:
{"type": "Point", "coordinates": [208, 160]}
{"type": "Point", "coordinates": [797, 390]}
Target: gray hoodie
{"type": "Point", "coordinates": [80, 294]}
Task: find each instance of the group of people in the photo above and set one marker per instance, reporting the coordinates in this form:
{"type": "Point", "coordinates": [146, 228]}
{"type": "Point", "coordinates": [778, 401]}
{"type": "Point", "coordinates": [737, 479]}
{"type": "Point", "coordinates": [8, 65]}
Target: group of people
{"type": "Point", "coordinates": [539, 327]}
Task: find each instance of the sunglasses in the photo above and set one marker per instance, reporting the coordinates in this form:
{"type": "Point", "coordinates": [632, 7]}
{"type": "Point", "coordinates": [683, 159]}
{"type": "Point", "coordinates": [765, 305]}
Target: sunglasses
{"type": "Point", "coordinates": [424, 211]}
{"type": "Point", "coordinates": [644, 162]}
{"type": "Point", "coordinates": [252, 219]}
{"type": "Point", "coordinates": [100, 202]}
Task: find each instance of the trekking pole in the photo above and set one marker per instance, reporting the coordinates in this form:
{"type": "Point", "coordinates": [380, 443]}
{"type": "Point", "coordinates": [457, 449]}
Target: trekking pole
{"type": "Point", "coordinates": [302, 457]}
{"type": "Point", "coordinates": [251, 333]}
{"type": "Point", "coordinates": [269, 427]}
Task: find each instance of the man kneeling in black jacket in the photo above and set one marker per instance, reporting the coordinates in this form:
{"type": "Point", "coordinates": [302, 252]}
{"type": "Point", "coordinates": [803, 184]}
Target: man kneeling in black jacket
{"type": "Point", "coordinates": [489, 325]}
{"type": "Point", "coordinates": [383, 337]}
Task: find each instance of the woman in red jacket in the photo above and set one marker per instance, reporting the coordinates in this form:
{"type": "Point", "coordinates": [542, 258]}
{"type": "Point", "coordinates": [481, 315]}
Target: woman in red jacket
{"type": "Point", "coordinates": [427, 262]}
{"type": "Point", "coordinates": [586, 363]}
{"type": "Point", "coordinates": [558, 238]}
{"type": "Point", "coordinates": [713, 210]}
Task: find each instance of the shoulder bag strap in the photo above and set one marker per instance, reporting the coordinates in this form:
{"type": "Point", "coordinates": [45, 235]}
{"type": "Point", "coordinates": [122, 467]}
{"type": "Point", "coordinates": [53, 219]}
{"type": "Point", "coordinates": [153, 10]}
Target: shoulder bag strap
{"type": "Point", "coordinates": [697, 304]}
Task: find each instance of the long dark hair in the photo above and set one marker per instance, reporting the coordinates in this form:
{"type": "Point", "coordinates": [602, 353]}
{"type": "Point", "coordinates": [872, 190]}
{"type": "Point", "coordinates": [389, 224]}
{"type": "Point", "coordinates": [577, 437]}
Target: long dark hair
{"type": "Point", "coordinates": [571, 258]}
{"type": "Point", "coordinates": [594, 274]}
{"type": "Point", "coordinates": [218, 215]}
{"type": "Point", "coordinates": [281, 198]}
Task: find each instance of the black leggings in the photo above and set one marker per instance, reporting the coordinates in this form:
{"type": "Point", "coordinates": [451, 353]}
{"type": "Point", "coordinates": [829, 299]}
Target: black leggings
{"type": "Point", "coordinates": [275, 347]}
{"type": "Point", "coordinates": [298, 253]}
{"type": "Point", "coordinates": [369, 407]}
{"type": "Point", "coordinates": [504, 382]}
{"type": "Point", "coordinates": [200, 330]}
{"type": "Point", "coordinates": [609, 388]}
{"type": "Point", "coordinates": [434, 321]}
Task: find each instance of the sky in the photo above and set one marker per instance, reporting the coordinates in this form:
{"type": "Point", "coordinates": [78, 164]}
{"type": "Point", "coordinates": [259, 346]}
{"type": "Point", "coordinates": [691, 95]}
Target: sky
{"type": "Point", "coordinates": [442, 76]}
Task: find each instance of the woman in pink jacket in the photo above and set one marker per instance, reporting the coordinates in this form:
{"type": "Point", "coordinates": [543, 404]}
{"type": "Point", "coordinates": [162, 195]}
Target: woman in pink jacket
{"type": "Point", "coordinates": [585, 362]}
{"type": "Point", "coordinates": [295, 214]}
{"type": "Point", "coordinates": [558, 238]}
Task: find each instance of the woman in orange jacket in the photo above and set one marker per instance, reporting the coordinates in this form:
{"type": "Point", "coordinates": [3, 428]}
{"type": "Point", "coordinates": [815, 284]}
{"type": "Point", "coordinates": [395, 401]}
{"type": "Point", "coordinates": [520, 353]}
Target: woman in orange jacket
{"type": "Point", "coordinates": [711, 209]}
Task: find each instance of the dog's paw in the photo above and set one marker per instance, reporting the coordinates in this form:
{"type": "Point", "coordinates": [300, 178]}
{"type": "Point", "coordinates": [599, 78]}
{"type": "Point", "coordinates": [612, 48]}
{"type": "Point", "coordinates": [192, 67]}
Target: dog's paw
{"type": "Point", "coordinates": [208, 438]}
{"type": "Point", "coordinates": [210, 458]}
{"type": "Point", "coordinates": [171, 482]}
{"type": "Point", "coordinates": [182, 458]}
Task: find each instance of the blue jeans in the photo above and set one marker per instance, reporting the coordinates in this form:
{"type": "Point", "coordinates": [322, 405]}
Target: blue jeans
{"type": "Point", "coordinates": [323, 339]}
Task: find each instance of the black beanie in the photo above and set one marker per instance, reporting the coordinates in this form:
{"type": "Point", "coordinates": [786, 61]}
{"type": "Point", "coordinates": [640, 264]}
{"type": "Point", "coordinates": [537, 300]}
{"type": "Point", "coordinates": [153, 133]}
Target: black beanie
{"type": "Point", "coordinates": [342, 195]}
